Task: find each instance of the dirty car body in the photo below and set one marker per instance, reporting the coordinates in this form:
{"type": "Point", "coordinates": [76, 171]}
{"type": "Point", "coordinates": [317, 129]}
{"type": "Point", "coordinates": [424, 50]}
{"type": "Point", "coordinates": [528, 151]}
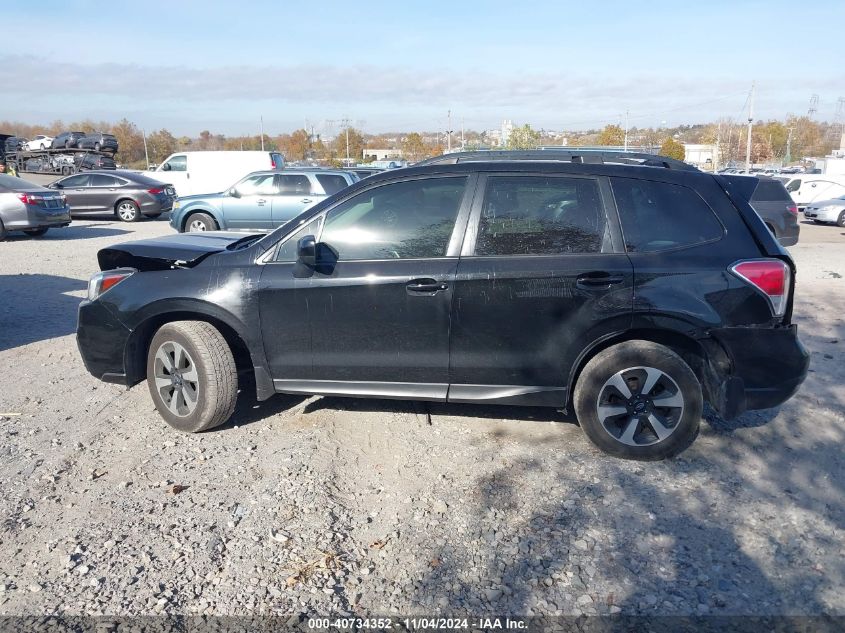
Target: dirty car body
{"type": "Point", "coordinates": [480, 304]}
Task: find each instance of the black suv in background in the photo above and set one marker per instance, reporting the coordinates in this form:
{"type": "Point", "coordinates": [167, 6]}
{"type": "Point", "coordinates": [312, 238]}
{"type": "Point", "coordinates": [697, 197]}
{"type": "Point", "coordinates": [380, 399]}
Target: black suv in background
{"type": "Point", "coordinates": [85, 162]}
{"type": "Point", "coordinates": [66, 140]}
{"type": "Point", "coordinates": [631, 293]}
{"type": "Point", "coordinates": [99, 142]}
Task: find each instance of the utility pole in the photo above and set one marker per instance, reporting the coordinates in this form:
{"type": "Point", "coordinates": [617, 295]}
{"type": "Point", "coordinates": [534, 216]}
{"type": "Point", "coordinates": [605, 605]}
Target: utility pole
{"type": "Point", "coordinates": [449, 132]}
{"type": "Point", "coordinates": [345, 121]}
{"type": "Point", "coordinates": [146, 153]}
{"type": "Point", "coordinates": [788, 158]}
{"type": "Point", "coordinates": [626, 130]}
{"type": "Point", "coordinates": [750, 126]}
{"type": "Point", "coordinates": [463, 142]}
{"type": "Point", "coordinates": [262, 132]}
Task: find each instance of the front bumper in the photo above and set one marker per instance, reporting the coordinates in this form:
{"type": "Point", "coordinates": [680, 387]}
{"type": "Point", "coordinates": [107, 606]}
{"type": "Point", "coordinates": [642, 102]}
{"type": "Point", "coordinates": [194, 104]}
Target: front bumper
{"type": "Point", "coordinates": [101, 339]}
{"type": "Point", "coordinates": [767, 366]}
{"type": "Point", "coordinates": [822, 215]}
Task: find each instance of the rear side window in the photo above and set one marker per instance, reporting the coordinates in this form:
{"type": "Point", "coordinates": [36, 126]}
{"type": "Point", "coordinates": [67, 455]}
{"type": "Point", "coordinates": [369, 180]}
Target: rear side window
{"type": "Point", "coordinates": [657, 216]}
{"type": "Point", "coordinates": [294, 185]}
{"type": "Point", "coordinates": [541, 215]}
{"type": "Point", "coordinates": [332, 183]}
{"type": "Point", "coordinates": [98, 180]}
{"type": "Point", "coordinates": [770, 191]}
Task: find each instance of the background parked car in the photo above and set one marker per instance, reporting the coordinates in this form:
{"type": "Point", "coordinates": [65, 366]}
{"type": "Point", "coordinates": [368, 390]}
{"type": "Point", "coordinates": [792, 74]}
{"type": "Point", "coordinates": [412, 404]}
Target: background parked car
{"type": "Point", "coordinates": [772, 203]}
{"type": "Point", "coordinates": [38, 143]}
{"type": "Point", "coordinates": [14, 143]}
{"type": "Point", "coordinates": [27, 207]}
{"type": "Point", "coordinates": [807, 189]}
{"type": "Point", "coordinates": [128, 195]}
{"type": "Point", "coordinates": [827, 211]}
{"type": "Point", "coordinates": [98, 141]}
{"type": "Point", "coordinates": [85, 162]}
{"type": "Point", "coordinates": [261, 201]}
{"type": "Point", "coordinates": [66, 140]}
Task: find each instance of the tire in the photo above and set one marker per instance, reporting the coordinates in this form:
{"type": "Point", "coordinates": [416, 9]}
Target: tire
{"type": "Point", "coordinates": [840, 221]}
{"type": "Point", "coordinates": [200, 222]}
{"type": "Point", "coordinates": [67, 144]}
{"type": "Point", "coordinates": [127, 211]}
{"type": "Point", "coordinates": [66, 171]}
{"type": "Point", "coordinates": [35, 232]}
{"type": "Point", "coordinates": [96, 147]}
{"type": "Point", "coordinates": [3, 232]}
{"type": "Point", "coordinates": [625, 430]}
{"type": "Point", "coordinates": [202, 353]}
{"type": "Point", "coordinates": [42, 147]}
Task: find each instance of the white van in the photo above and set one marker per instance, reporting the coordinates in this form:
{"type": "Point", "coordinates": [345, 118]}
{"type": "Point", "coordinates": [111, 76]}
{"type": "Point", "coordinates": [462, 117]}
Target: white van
{"type": "Point", "coordinates": [807, 188]}
{"type": "Point", "coordinates": [193, 173]}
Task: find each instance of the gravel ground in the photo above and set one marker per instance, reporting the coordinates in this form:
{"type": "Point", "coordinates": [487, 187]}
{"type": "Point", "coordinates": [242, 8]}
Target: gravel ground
{"type": "Point", "coordinates": [330, 505]}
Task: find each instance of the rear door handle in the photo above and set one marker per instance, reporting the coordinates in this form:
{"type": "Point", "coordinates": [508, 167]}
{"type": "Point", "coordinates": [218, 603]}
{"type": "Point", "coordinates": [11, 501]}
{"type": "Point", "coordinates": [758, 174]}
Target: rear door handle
{"type": "Point", "coordinates": [425, 286]}
{"type": "Point", "coordinates": [598, 280]}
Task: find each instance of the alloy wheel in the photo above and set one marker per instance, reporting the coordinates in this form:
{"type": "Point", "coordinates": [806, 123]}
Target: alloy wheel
{"type": "Point", "coordinates": [176, 379]}
{"type": "Point", "coordinates": [640, 406]}
{"type": "Point", "coordinates": [126, 211]}
{"type": "Point", "coordinates": [196, 225]}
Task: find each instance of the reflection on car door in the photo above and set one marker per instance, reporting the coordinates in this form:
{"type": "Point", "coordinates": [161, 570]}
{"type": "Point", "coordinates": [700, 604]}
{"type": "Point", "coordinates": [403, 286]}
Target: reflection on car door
{"type": "Point", "coordinates": [296, 193]}
{"type": "Point", "coordinates": [103, 192]}
{"type": "Point", "coordinates": [543, 272]}
{"type": "Point", "coordinates": [76, 190]}
{"type": "Point", "coordinates": [251, 207]}
{"type": "Point", "coordinates": [378, 302]}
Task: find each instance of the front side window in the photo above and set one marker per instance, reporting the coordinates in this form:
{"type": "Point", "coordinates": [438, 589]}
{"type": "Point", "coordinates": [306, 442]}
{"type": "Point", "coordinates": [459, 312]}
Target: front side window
{"type": "Point", "coordinates": [75, 181]}
{"type": "Point", "coordinates": [177, 163]}
{"type": "Point", "coordinates": [541, 215]}
{"type": "Point", "coordinates": [259, 185]}
{"type": "Point", "coordinates": [657, 216]}
{"type": "Point", "coordinates": [332, 183]}
{"type": "Point", "coordinates": [402, 220]}
{"type": "Point", "coordinates": [294, 185]}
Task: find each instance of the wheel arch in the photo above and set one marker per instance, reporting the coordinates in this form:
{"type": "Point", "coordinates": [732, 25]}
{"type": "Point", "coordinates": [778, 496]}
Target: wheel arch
{"type": "Point", "coordinates": [187, 213]}
{"type": "Point", "coordinates": [248, 359]}
{"type": "Point", "coordinates": [705, 356]}
{"type": "Point", "coordinates": [126, 199]}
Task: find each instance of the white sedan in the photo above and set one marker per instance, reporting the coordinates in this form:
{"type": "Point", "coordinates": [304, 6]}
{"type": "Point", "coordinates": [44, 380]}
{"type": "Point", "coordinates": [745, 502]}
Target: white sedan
{"type": "Point", "coordinates": [38, 143]}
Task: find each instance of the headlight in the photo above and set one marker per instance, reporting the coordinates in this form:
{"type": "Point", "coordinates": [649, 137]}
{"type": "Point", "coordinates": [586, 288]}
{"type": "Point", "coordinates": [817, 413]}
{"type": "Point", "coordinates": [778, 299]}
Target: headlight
{"type": "Point", "coordinates": [177, 204]}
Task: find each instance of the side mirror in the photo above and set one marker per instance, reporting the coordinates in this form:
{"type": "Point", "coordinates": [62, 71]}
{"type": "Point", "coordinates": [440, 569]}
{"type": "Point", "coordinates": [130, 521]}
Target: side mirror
{"type": "Point", "coordinates": [234, 192]}
{"type": "Point", "coordinates": [306, 251]}
{"type": "Point", "coordinates": [165, 167]}
{"type": "Point", "coordinates": [56, 185]}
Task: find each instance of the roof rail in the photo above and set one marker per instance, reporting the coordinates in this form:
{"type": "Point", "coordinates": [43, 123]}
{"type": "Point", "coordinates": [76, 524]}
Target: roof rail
{"type": "Point", "coordinates": [591, 157]}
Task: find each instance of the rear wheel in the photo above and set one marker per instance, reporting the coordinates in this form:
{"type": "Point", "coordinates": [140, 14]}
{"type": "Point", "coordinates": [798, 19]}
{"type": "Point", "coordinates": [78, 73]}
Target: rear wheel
{"type": "Point", "coordinates": [2, 231]}
{"type": "Point", "coordinates": [35, 232]}
{"type": "Point", "coordinates": [96, 147]}
{"type": "Point", "coordinates": [42, 147]}
{"type": "Point", "coordinates": [841, 220]}
{"type": "Point", "coordinates": [639, 400]}
{"type": "Point", "coordinates": [200, 222]}
{"type": "Point", "coordinates": [127, 211]}
{"type": "Point", "coordinates": [192, 376]}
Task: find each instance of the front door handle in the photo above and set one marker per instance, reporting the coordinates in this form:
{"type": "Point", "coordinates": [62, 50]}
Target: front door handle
{"type": "Point", "coordinates": [425, 286]}
{"type": "Point", "coordinates": [598, 280]}
{"type": "Point", "coordinates": [305, 200]}
{"type": "Point", "coordinates": [261, 202]}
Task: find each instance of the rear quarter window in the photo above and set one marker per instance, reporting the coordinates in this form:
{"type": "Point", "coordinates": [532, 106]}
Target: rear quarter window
{"type": "Point", "coordinates": [659, 216]}
{"type": "Point", "coordinates": [332, 183]}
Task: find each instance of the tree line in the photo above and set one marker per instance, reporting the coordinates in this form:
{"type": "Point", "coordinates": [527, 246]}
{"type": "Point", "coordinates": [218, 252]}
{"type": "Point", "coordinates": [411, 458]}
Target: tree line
{"type": "Point", "coordinates": [772, 141]}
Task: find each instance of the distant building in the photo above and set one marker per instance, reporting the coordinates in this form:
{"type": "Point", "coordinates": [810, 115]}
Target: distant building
{"type": "Point", "coordinates": [702, 156]}
{"type": "Point", "coordinates": [507, 128]}
{"type": "Point", "coordinates": [381, 154]}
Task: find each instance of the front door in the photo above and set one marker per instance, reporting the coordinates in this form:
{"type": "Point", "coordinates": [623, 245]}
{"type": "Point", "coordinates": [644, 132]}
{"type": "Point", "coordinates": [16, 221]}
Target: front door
{"type": "Point", "coordinates": [542, 275]}
{"type": "Point", "coordinates": [76, 190]}
{"type": "Point", "coordinates": [378, 302]}
{"type": "Point", "coordinates": [249, 203]}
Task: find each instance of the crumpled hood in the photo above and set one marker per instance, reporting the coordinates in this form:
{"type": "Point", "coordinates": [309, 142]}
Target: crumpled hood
{"type": "Point", "coordinates": [163, 253]}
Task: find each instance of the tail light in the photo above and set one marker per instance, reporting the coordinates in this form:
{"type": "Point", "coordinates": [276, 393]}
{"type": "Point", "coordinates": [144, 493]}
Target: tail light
{"type": "Point", "coordinates": [272, 164]}
{"type": "Point", "coordinates": [792, 208]}
{"type": "Point", "coordinates": [155, 190]}
{"type": "Point", "coordinates": [769, 276]}
{"type": "Point", "coordinates": [101, 282]}
{"type": "Point", "coordinates": [28, 199]}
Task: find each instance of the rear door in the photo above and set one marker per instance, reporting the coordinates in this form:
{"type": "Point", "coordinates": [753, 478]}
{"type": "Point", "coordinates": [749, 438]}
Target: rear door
{"type": "Point", "coordinates": [542, 275]}
{"type": "Point", "coordinates": [252, 207]}
{"type": "Point", "coordinates": [103, 192]}
{"type": "Point", "coordinates": [297, 192]}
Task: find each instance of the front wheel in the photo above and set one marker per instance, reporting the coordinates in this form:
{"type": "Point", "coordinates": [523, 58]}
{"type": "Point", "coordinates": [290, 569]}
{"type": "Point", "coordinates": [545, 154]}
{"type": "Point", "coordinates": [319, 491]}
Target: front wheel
{"type": "Point", "coordinates": [42, 146]}
{"type": "Point", "coordinates": [200, 222]}
{"type": "Point", "coordinates": [127, 211]}
{"type": "Point", "coordinates": [639, 400]}
{"type": "Point", "coordinates": [192, 376]}
{"type": "Point", "coordinates": [35, 232]}
{"type": "Point", "coordinates": [841, 220]}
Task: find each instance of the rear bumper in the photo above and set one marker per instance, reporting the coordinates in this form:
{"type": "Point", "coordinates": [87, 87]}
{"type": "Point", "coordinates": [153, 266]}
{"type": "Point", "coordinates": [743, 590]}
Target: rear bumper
{"type": "Point", "coordinates": [101, 339]}
{"type": "Point", "coordinates": [768, 366]}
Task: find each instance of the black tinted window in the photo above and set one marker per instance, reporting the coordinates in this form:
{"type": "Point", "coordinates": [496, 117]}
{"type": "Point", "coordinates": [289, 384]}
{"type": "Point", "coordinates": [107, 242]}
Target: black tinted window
{"type": "Point", "coordinates": [540, 215]}
{"type": "Point", "coordinates": [770, 191]}
{"type": "Point", "coordinates": [794, 185]}
{"type": "Point", "coordinates": [331, 183]}
{"type": "Point", "coordinates": [657, 215]}
{"type": "Point", "coordinates": [98, 180]}
{"type": "Point", "coordinates": [397, 221]}
{"type": "Point", "coordinates": [292, 185]}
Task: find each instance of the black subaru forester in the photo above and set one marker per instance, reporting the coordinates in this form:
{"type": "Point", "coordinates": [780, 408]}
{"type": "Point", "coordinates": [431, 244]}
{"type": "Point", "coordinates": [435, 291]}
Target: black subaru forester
{"type": "Point", "coordinates": [629, 287]}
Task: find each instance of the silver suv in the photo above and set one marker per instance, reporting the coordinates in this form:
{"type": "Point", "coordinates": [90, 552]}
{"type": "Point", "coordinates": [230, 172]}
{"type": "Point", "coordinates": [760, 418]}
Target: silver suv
{"type": "Point", "coordinates": [260, 201]}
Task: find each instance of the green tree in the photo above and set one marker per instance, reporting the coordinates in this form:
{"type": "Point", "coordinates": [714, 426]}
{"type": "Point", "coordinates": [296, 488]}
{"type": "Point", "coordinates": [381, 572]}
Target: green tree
{"type": "Point", "coordinates": [131, 143]}
{"type": "Point", "coordinates": [523, 138]}
{"type": "Point", "coordinates": [611, 135]}
{"type": "Point", "coordinates": [160, 145]}
{"type": "Point", "coordinates": [672, 149]}
{"type": "Point", "coordinates": [413, 147]}
{"type": "Point", "coordinates": [356, 144]}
